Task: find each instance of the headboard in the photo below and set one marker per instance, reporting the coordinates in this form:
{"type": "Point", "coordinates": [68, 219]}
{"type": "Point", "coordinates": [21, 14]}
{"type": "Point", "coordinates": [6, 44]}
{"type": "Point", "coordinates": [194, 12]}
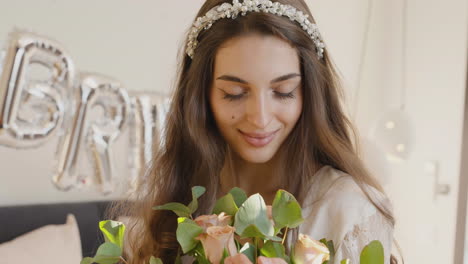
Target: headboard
{"type": "Point", "coordinates": [18, 220]}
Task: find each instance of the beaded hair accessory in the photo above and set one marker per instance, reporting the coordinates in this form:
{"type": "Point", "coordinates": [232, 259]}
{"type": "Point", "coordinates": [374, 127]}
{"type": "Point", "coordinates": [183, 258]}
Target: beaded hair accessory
{"type": "Point", "coordinates": [227, 10]}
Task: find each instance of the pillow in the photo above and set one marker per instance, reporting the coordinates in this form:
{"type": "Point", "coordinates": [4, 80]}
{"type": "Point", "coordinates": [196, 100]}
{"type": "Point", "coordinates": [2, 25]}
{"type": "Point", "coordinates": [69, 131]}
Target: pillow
{"type": "Point", "coordinates": [51, 244]}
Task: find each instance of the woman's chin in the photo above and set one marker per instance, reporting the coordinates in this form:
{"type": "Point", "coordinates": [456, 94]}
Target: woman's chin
{"type": "Point", "coordinates": [257, 156]}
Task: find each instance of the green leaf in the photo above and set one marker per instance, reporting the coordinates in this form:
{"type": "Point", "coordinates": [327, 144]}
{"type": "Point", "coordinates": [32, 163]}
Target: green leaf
{"type": "Point", "coordinates": [106, 260]}
{"type": "Point", "coordinates": [108, 253]}
{"type": "Point", "coordinates": [253, 232]}
{"type": "Point", "coordinates": [253, 212]}
{"type": "Point", "coordinates": [273, 250]}
{"type": "Point", "coordinates": [113, 231]}
{"type": "Point", "coordinates": [239, 196]}
{"type": "Point", "coordinates": [186, 232]}
{"type": "Point", "coordinates": [87, 260]}
{"type": "Point", "coordinates": [225, 255]}
{"type": "Point", "coordinates": [249, 250]}
{"type": "Point", "coordinates": [178, 260]}
{"type": "Point", "coordinates": [226, 204]}
{"type": "Point", "coordinates": [154, 260]}
{"type": "Point", "coordinates": [178, 208]}
{"type": "Point", "coordinates": [198, 251]}
{"type": "Point", "coordinates": [286, 210]}
{"type": "Point", "coordinates": [197, 191]}
{"type": "Point", "coordinates": [109, 249]}
{"type": "Point", "coordinates": [200, 255]}
{"type": "Point", "coordinates": [373, 253]}
{"type": "Point", "coordinates": [202, 260]}
{"type": "Point", "coordinates": [345, 261]}
{"type": "Point", "coordinates": [331, 247]}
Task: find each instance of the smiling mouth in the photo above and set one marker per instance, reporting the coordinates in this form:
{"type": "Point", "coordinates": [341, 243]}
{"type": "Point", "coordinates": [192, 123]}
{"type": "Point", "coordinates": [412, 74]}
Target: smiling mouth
{"type": "Point", "coordinates": [258, 139]}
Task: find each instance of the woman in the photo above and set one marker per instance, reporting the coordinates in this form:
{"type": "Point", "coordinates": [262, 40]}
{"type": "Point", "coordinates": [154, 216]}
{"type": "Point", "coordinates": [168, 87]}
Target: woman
{"type": "Point", "coordinates": [257, 105]}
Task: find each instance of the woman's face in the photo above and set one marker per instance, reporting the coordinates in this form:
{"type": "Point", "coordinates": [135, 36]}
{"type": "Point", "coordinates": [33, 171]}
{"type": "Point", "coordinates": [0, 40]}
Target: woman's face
{"type": "Point", "coordinates": [256, 95]}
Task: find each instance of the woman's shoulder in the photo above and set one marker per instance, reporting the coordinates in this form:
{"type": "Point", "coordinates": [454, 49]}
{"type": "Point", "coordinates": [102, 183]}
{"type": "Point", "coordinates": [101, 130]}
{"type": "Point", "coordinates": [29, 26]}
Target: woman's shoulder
{"type": "Point", "coordinates": [336, 204]}
{"type": "Point", "coordinates": [340, 190]}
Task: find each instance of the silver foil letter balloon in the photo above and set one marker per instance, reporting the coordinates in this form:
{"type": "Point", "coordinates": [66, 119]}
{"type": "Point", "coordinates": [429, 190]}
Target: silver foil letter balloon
{"type": "Point", "coordinates": [95, 135]}
{"type": "Point", "coordinates": [147, 122]}
{"type": "Point", "coordinates": [36, 78]}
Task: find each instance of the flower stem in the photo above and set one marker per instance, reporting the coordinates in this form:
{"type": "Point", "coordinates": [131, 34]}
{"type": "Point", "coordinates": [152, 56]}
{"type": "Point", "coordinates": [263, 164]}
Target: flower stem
{"type": "Point", "coordinates": [123, 260]}
{"type": "Point", "coordinates": [256, 248]}
{"type": "Point", "coordinates": [285, 234]}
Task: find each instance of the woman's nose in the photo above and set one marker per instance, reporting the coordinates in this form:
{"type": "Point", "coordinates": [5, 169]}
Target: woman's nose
{"type": "Point", "coordinates": [258, 111]}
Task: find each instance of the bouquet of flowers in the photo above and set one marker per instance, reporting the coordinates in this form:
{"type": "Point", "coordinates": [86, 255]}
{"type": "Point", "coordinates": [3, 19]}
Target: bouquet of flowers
{"type": "Point", "coordinates": [241, 230]}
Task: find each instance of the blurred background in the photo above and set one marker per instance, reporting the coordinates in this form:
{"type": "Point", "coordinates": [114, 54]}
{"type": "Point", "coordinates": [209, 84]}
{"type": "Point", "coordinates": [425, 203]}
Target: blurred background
{"type": "Point", "coordinates": [403, 65]}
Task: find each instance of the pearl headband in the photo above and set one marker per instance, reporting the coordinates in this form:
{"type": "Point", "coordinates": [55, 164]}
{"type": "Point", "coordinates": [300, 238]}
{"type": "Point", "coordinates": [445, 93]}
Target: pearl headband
{"type": "Point", "coordinates": [232, 10]}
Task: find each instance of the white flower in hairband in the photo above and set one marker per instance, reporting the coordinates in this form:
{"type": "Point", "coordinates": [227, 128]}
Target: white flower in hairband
{"type": "Point", "coordinates": [227, 10]}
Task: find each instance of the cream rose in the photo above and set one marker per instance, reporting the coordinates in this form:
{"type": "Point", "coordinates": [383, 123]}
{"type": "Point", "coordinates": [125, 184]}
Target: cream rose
{"type": "Point", "coordinates": [310, 251]}
{"type": "Point", "coordinates": [215, 240]}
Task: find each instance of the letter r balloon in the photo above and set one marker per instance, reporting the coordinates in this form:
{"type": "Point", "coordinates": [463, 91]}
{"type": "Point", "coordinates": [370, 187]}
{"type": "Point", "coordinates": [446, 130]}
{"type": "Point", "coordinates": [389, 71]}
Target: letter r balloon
{"type": "Point", "coordinates": [97, 135]}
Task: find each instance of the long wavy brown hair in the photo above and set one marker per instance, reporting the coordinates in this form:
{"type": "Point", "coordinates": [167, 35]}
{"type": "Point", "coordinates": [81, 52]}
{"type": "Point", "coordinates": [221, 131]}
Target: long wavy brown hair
{"type": "Point", "coordinates": [194, 152]}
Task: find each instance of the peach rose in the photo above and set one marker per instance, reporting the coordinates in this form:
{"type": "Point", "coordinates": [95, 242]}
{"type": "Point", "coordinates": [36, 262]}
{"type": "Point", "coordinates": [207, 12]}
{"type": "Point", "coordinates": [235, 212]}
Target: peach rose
{"type": "Point", "coordinates": [242, 259]}
{"type": "Point", "coordinates": [215, 240]}
{"type": "Point", "coordinates": [237, 259]}
{"type": "Point", "coordinates": [269, 210]}
{"type": "Point", "coordinates": [206, 221]}
{"type": "Point", "coordinates": [310, 251]}
{"type": "Point", "coordinates": [265, 260]}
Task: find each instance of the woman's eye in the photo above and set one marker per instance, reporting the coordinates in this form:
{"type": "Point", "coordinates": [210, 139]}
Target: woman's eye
{"type": "Point", "coordinates": [232, 97]}
{"type": "Point", "coordinates": [284, 96]}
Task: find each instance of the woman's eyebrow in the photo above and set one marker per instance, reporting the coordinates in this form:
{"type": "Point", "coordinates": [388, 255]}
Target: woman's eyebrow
{"type": "Point", "coordinates": [239, 80]}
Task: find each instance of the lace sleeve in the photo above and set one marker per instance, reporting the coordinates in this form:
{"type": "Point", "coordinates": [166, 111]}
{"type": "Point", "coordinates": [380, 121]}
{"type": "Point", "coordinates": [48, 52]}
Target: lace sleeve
{"type": "Point", "coordinates": [375, 227]}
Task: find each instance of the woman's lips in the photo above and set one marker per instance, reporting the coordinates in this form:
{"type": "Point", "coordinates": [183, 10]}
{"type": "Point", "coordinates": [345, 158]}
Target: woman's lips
{"type": "Point", "coordinates": [258, 139]}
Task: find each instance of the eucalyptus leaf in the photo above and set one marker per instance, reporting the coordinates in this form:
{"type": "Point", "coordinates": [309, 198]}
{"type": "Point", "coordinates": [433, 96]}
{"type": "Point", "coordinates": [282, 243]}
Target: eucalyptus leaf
{"type": "Point", "coordinates": [154, 260]}
{"type": "Point", "coordinates": [107, 253]}
{"type": "Point", "coordinates": [87, 260]}
{"type": "Point", "coordinates": [273, 250]}
{"type": "Point", "coordinates": [253, 212]}
{"type": "Point", "coordinates": [197, 191]}
{"type": "Point", "coordinates": [198, 251]}
{"type": "Point", "coordinates": [202, 260]}
{"type": "Point", "coordinates": [345, 261]}
{"type": "Point", "coordinates": [109, 249]}
{"type": "Point", "coordinates": [239, 196]}
{"type": "Point", "coordinates": [373, 253]}
{"type": "Point", "coordinates": [331, 247]}
{"type": "Point", "coordinates": [178, 208]}
{"type": "Point", "coordinates": [106, 260]}
{"type": "Point", "coordinates": [113, 231]}
{"type": "Point", "coordinates": [248, 249]}
{"type": "Point", "coordinates": [226, 204]}
{"type": "Point", "coordinates": [286, 210]}
{"type": "Point", "coordinates": [252, 231]}
{"type": "Point", "coordinates": [186, 233]}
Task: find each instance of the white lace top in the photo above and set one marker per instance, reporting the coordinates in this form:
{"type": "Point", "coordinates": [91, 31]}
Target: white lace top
{"type": "Point", "coordinates": [345, 215]}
